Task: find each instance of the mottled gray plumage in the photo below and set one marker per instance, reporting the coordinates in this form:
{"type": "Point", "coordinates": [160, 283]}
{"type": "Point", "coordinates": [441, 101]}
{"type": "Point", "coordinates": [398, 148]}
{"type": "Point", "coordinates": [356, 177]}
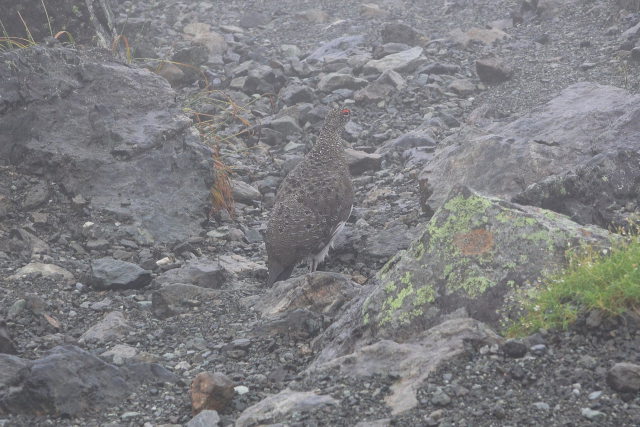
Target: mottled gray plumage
{"type": "Point", "coordinates": [312, 205]}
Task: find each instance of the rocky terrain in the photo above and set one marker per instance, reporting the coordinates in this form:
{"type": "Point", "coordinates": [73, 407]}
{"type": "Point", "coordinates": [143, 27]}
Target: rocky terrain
{"type": "Point", "coordinates": [487, 137]}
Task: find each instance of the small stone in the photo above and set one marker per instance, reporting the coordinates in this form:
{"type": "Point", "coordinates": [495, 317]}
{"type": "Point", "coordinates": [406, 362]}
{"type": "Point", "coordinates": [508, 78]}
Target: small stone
{"type": "Point", "coordinates": [210, 391]}
{"type": "Point", "coordinates": [595, 395]}
{"type": "Point", "coordinates": [542, 406]}
{"type": "Point", "coordinates": [110, 273]}
{"type": "Point", "coordinates": [241, 389]}
{"type": "Point", "coordinates": [514, 348]}
{"type": "Point", "coordinates": [539, 349]}
{"type": "Point", "coordinates": [440, 398]}
{"type": "Point", "coordinates": [592, 414]}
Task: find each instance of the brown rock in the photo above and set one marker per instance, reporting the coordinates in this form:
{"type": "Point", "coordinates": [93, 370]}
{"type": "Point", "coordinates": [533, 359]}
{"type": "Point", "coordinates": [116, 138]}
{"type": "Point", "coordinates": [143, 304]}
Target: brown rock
{"type": "Point", "coordinates": [210, 391]}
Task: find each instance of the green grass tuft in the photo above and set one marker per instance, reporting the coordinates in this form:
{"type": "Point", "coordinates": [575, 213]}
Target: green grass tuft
{"type": "Point", "coordinates": [608, 281]}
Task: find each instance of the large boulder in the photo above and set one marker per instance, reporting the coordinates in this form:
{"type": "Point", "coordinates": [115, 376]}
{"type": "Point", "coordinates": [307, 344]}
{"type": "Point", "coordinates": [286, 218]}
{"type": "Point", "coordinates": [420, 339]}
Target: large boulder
{"type": "Point", "coordinates": [108, 132]}
{"type": "Point", "coordinates": [88, 22]}
{"type": "Point", "coordinates": [69, 381]}
{"type": "Point", "coordinates": [470, 259]}
{"type": "Point", "coordinates": [586, 120]}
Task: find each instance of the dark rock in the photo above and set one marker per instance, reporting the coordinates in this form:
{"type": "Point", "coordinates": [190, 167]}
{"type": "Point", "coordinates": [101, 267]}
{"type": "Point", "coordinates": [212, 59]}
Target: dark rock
{"type": "Point", "coordinates": [595, 192]}
{"type": "Point", "coordinates": [66, 381]}
{"type": "Point", "coordinates": [296, 93]}
{"type": "Point", "coordinates": [109, 273]}
{"type": "Point", "coordinates": [298, 324]}
{"type": "Point", "coordinates": [118, 137]}
{"type": "Point", "coordinates": [397, 32]}
{"type": "Point", "coordinates": [176, 298]}
{"type": "Point", "coordinates": [439, 68]}
{"type": "Point", "coordinates": [415, 138]}
{"type": "Point", "coordinates": [203, 273]}
{"type": "Point", "coordinates": [514, 348]}
{"type": "Point", "coordinates": [90, 23]}
{"type": "Point", "coordinates": [503, 160]}
{"type": "Point", "coordinates": [493, 70]}
{"type": "Point", "coordinates": [6, 345]}
{"type": "Point", "coordinates": [624, 377]}
{"type": "Point", "coordinates": [360, 161]}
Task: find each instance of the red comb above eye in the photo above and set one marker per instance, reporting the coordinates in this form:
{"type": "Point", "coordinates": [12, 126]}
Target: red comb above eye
{"type": "Point", "coordinates": [345, 111]}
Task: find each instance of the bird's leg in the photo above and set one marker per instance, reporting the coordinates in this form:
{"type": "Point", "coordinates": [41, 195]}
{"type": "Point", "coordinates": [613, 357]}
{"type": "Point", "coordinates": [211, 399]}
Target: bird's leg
{"type": "Point", "coordinates": [313, 265]}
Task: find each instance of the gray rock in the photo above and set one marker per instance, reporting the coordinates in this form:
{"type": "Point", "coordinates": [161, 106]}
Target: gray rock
{"type": "Point", "coordinates": [360, 161]}
{"type": "Point", "coordinates": [109, 273]}
{"type": "Point", "coordinates": [493, 70]}
{"type": "Point", "coordinates": [176, 298]}
{"type": "Point", "coordinates": [36, 196]}
{"type": "Point", "coordinates": [402, 62]}
{"type": "Point", "coordinates": [333, 81]}
{"type": "Point", "coordinates": [503, 160]}
{"type": "Point", "coordinates": [112, 327]}
{"type": "Point", "coordinates": [296, 93]}
{"type": "Point", "coordinates": [44, 270]}
{"type": "Point", "coordinates": [285, 125]}
{"type": "Point", "coordinates": [594, 192]}
{"type": "Point", "coordinates": [341, 47]}
{"type": "Point", "coordinates": [275, 407]}
{"type": "Point", "coordinates": [69, 381]}
{"type": "Point", "coordinates": [206, 418]}
{"type": "Point", "coordinates": [130, 151]}
{"type": "Point", "coordinates": [414, 138]}
{"type": "Point", "coordinates": [462, 87]}
{"type": "Point", "coordinates": [412, 361]}
{"type": "Point", "coordinates": [439, 68]}
{"type": "Point", "coordinates": [397, 32]}
{"type": "Point", "coordinates": [320, 292]}
{"type": "Point", "coordinates": [6, 344]}
{"type": "Point", "coordinates": [624, 377]}
{"type": "Point", "coordinates": [388, 242]}
{"type": "Point", "coordinates": [440, 398]}
{"type": "Point", "coordinates": [244, 193]}
{"type": "Point", "coordinates": [91, 24]}
{"type": "Point", "coordinates": [379, 89]}
{"type": "Point", "coordinates": [592, 414]}
{"type": "Point", "coordinates": [202, 272]}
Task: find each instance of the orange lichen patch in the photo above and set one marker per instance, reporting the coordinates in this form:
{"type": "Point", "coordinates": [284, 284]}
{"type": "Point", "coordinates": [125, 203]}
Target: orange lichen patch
{"type": "Point", "coordinates": [475, 242]}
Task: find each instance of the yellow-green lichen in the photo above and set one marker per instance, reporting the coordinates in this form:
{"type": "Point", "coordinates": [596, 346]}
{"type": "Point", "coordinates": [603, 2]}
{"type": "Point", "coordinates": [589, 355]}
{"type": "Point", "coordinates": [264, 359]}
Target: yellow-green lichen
{"type": "Point", "coordinates": [418, 250]}
{"type": "Point", "coordinates": [473, 286]}
{"type": "Point", "coordinates": [459, 220]}
{"type": "Point", "coordinates": [425, 294]}
{"type": "Point", "coordinates": [390, 287]}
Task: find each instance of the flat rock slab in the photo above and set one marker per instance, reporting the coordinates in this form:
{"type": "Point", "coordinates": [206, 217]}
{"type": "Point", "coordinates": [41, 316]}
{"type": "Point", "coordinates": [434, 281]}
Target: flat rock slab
{"type": "Point", "coordinates": [270, 409]}
{"type": "Point", "coordinates": [411, 361]}
{"type": "Point", "coordinates": [320, 292]}
{"type": "Point", "coordinates": [109, 132]}
{"type": "Point", "coordinates": [503, 160]}
{"type": "Point", "coordinates": [110, 273]}
{"type": "Point", "coordinates": [69, 381]}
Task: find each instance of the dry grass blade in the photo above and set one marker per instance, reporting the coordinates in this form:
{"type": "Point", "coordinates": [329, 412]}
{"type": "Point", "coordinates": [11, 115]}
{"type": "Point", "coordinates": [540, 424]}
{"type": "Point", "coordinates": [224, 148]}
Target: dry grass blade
{"type": "Point", "coordinates": [127, 47]}
{"type": "Point", "coordinates": [48, 19]}
{"type": "Point", "coordinates": [67, 33]}
{"type": "Point", "coordinates": [26, 27]}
